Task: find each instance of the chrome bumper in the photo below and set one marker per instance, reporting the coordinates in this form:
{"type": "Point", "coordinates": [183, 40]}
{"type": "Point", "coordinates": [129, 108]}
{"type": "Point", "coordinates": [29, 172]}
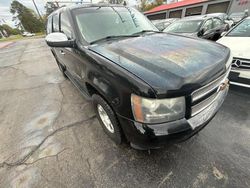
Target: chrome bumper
{"type": "Point", "coordinates": [210, 111]}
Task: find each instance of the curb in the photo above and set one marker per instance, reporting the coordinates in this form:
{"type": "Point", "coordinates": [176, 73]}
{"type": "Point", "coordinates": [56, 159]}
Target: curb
{"type": "Point", "coordinates": [5, 44]}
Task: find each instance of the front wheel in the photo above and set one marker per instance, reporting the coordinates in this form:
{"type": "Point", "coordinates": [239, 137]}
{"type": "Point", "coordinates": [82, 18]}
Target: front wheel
{"type": "Point", "coordinates": [107, 119]}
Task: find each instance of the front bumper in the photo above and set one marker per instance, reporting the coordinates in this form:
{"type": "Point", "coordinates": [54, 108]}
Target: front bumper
{"type": "Point", "coordinates": [148, 136]}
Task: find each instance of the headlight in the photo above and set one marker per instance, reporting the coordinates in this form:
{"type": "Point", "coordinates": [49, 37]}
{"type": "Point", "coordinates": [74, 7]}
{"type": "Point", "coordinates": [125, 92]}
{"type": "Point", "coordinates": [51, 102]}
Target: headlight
{"type": "Point", "coordinates": [157, 110]}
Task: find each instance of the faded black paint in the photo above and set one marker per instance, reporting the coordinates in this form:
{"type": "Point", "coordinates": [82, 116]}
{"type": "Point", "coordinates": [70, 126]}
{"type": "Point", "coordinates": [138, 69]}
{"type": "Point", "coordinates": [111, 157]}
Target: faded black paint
{"type": "Point", "coordinates": [152, 66]}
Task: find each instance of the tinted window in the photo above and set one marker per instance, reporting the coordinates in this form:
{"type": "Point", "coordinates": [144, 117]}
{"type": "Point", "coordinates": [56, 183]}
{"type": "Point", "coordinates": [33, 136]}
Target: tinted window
{"type": "Point", "coordinates": [208, 25]}
{"type": "Point", "coordinates": [185, 26]}
{"type": "Point", "coordinates": [217, 22]}
{"type": "Point", "coordinates": [49, 25]}
{"type": "Point", "coordinates": [56, 23]}
{"type": "Point", "coordinates": [65, 25]}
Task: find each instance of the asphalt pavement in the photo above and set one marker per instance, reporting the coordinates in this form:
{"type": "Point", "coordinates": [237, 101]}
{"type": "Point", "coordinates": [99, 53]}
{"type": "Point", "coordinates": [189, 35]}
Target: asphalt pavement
{"type": "Point", "coordinates": [49, 136]}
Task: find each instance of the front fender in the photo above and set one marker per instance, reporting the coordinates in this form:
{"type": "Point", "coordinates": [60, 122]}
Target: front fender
{"type": "Point", "coordinates": [115, 83]}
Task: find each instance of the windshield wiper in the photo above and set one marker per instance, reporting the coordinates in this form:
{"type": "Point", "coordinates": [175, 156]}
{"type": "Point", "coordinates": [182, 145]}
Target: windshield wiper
{"type": "Point", "coordinates": [112, 37]}
{"type": "Point", "coordinates": [146, 31]}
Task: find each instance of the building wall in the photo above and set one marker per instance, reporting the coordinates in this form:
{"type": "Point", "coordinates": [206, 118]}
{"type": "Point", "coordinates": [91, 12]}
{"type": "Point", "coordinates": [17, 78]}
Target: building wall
{"type": "Point", "coordinates": [213, 6]}
{"type": "Point", "coordinates": [239, 6]}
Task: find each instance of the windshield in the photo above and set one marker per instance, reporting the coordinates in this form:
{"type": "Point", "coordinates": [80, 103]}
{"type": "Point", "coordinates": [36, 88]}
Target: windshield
{"type": "Point", "coordinates": [187, 26]}
{"type": "Point", "coordinates": [242, 30]}
{"type": "Point", "coordinates": [97, 23]}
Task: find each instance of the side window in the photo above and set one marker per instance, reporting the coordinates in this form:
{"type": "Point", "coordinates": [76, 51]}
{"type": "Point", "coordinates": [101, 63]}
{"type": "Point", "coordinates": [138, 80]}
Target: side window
{"type": "Point", "coordinates": [49, 25]}
{"type": "Point", "coordinates": [217, 22]}
{"type": "Point", "coordinates": [65, 25]}
{"type": "Point", "coordinates": [56, 23]}
{"type": "Point", "coordinates": [208, 25]}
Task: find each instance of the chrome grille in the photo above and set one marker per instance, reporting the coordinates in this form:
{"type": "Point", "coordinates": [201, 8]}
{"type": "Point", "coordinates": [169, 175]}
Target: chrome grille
{"type": "Point", "coordinates": [207, 94]}
{"type": "Point", "coordinates": [239, 63]}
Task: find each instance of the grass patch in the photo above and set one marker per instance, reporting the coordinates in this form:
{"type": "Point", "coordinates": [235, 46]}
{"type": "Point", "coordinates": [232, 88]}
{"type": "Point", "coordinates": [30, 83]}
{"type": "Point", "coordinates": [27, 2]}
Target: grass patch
{"type": "Point", "coordinates": [20, 37]}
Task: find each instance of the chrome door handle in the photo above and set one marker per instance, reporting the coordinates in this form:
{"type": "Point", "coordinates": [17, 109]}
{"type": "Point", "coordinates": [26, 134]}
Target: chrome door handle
{"type": "Point", "coordinates": [62, 52]}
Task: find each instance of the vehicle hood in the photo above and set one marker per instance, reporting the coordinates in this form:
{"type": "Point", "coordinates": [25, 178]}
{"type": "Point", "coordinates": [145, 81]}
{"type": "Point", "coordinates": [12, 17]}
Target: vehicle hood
{"type": "Point", "coordinates": [239, 46]}
{"type": "Point", "coordinates": [170, 64]}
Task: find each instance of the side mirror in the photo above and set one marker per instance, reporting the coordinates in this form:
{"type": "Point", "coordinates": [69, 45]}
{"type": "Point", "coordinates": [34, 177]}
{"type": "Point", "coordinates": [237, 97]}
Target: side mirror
{"type": "Point", "coordinates": [59, 40]}
{"type": "Point", "coordinates": [223, 33]}
{"type": "Point", "coordinates": [201, 32]}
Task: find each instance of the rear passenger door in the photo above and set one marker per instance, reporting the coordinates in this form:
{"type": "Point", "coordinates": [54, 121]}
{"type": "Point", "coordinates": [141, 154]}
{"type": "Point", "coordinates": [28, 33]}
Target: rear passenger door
{"type": "Point", "coordinates": [74, 60]}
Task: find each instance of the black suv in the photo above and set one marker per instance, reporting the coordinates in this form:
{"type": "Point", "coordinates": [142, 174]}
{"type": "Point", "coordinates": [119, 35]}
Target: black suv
{"type": "Point", "coordinates": [206, 27]}
{"type": "Point", "coordinates": [147, 87]}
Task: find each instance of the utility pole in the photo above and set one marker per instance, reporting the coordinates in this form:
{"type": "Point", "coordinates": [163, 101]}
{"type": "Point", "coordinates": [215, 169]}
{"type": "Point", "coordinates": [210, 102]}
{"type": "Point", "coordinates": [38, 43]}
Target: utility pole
{"type": "Point", "coordinates": [1, 31]}
{"type": "Point", "coordinates": [37, 10]}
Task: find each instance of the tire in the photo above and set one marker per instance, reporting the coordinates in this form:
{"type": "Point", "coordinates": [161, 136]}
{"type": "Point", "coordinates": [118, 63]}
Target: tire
{"type": "Point", "coordinates": [62, 68]}
{"type": "Point", "coordinates": [113, 130]}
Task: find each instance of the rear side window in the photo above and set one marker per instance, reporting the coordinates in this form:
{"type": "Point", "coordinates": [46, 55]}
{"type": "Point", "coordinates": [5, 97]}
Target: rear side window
{"type": "Point", "coordinates": [208, 25]}
{"type": "Point", "coordinates": [217, 22]}
{"type": "Point", "coordinates": [49, 25]}
{"type": "Point", "coordinates": [65, 25]}
{"type": "Point", "coordinates": [56, 23]}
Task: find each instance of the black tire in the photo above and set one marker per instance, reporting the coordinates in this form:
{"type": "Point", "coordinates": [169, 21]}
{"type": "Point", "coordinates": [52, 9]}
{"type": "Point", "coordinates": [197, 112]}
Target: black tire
{"type": "Point", "coordinates": [116, 136]}
{"type": "Point", "coordinates": [62, 68]}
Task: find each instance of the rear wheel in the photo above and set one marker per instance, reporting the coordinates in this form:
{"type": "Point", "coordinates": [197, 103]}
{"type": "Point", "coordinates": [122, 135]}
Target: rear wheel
{"type": "Point", "coordinates": [107, 119]}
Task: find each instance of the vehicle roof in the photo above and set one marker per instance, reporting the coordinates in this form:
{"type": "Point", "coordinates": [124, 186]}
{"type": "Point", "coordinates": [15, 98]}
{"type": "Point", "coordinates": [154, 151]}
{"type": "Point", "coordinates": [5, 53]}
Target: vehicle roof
{"type": "Point", "coordinates": [199, 17]}
{"type": "Point", "coordinates": [217, 14]}
{"type": "Point", "coordinates": [234, 13]}
{"type": "Point", "coordinates": [85, 5]}
{"type": "Point", "coordinates": [165, 20]}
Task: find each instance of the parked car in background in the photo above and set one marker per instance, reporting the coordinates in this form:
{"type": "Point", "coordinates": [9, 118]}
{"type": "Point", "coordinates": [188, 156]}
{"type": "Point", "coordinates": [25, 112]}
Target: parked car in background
{"type": "Point", "coordinates": [238, 40]}
{"type": "Point", "coordinates": [224, 17]}
{"type": "Point", "coordinates": [28, 34]}
{"type": "Point", "coordinates": [147, 87]}
{"type": "Point", "coordinates": [163, 24]}
{"type": "Point", "coordinates": [198, 26]}
{"type": "Point", "coordinates": [238, 16]}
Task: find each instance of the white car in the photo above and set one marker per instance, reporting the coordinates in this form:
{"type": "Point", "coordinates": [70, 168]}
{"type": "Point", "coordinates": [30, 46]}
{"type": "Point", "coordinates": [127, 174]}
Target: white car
{"type": "Point", "coordinates": [28, 34]}
{"type": "Point", "coordinates": [238, 40]}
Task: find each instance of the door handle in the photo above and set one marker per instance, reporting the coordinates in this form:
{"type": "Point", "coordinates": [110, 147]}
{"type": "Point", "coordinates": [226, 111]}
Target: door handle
{"type": "Point", "coordinates": [62, 52]}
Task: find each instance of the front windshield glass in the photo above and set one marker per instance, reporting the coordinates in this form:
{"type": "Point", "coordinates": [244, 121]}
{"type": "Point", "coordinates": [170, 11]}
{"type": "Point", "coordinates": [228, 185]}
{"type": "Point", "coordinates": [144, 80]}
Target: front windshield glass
{"type": "Point", "coordinates": [187, 26]}
{"type": "Point", "coordinates": [242, 30]}
{"type": "Point", "coordinates": [97, 23]}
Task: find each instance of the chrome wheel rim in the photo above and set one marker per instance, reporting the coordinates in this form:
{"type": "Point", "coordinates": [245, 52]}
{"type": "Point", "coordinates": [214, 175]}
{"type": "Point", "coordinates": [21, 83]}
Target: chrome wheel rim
{"type": "Point", "coordinates": [105, 118]}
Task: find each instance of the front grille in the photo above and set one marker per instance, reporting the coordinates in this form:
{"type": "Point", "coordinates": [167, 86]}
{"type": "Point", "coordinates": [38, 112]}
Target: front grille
{"type": "Point", "coordinates": [207, 94]}
{"type": "Point", "coordinates": [240, 63]}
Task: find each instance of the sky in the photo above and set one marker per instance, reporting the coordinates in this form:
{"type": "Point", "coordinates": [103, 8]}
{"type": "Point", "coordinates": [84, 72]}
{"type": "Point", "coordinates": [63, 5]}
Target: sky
{"type": "Point", "coordinates": [6, 16]}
